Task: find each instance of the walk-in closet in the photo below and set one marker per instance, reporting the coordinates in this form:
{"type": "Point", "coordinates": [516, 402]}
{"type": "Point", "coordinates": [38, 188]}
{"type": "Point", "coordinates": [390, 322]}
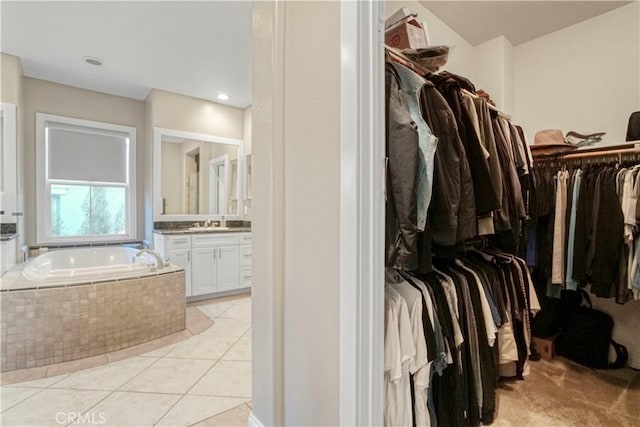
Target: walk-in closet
{"type": "Point", "coordinates": [512, 213]}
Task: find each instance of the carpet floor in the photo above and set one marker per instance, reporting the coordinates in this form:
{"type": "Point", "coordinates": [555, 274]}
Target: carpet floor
{"type": "Point", "coordinates": [562, 393]}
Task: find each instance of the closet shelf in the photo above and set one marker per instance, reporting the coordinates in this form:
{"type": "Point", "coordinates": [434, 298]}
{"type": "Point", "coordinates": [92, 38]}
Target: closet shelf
{"type": "Point", "coordinates": [631, 147]}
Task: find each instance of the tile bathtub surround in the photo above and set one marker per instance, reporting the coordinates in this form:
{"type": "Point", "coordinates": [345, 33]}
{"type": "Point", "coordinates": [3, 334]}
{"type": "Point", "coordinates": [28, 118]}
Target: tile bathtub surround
{"type": "Point", "coordinates": [47, 326]}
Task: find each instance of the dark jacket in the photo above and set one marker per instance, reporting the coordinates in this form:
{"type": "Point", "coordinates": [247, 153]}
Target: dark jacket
{"type": "Point", "coordinates": [402, 168]}
{"type": "Point", "coordinates": [452, 214]}
{"type": "Point", "coordinates": [486, 198]}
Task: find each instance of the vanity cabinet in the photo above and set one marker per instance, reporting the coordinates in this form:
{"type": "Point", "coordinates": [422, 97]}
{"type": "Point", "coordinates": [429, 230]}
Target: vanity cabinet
{"type": "Point", "coordinates": [7, 255]}
{"type": "Point", "coordinates": [213, 262]}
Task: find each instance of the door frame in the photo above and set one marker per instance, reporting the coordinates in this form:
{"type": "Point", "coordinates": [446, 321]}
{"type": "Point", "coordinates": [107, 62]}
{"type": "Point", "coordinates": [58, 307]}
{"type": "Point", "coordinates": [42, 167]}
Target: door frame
{"type": "Point", "coordinates": [362, 218]}
{"type": "Point", "coordinates": [213, 189]}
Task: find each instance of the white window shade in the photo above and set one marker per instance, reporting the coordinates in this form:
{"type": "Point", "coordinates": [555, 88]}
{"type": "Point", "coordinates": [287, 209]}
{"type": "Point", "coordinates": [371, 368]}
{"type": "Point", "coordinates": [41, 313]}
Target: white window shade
{"type": "Point", "coordinates": [76, 153]}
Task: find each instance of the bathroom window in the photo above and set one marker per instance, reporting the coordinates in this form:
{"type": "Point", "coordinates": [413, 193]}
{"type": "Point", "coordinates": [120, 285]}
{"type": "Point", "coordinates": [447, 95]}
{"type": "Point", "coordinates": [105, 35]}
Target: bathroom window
{"type": "Point", "coordinates": [85, 180]}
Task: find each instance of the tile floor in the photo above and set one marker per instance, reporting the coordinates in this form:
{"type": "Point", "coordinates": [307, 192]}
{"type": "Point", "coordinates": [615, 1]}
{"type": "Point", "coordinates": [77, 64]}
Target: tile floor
{"type": "Point", "coordinates": [204, 380]}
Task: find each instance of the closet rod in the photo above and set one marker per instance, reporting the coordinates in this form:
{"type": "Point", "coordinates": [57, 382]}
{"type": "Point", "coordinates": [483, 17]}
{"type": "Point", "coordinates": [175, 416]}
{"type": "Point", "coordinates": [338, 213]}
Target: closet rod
{"type": "Point", "coordinates": [491, 106]}
{"type": "Point", "coordinates": [398, 57]}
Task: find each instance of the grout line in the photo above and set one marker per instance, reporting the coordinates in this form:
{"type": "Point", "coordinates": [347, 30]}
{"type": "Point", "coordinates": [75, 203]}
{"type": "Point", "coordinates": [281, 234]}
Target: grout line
{"type": "Point", "coordinates": [112, 392]}
{"type": "Point", "coordinates": [23, 400]}
{"type": "Point", "coordinates": [220, 413]}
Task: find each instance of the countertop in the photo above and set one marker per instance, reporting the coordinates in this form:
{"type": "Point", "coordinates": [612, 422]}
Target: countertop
{"type": "Point", "coordinates": [7, 236]}
{"type": "Point", "coordinates": [203, 231]}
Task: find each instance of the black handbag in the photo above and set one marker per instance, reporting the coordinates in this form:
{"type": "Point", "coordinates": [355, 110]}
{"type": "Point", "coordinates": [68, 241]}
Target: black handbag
{"type": "Point", "coordinates": [586, 338]}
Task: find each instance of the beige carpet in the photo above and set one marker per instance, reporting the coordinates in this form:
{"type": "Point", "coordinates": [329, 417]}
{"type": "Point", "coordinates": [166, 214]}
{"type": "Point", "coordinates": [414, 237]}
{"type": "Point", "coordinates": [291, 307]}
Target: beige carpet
{"type": "Point", "coordinates": [562, 393]}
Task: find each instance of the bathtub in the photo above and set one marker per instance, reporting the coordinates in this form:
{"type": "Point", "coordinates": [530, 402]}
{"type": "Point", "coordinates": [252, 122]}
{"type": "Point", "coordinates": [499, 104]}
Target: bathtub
{"type": "Point", "coordinates": [74, 303]}
{"type": "Point", "coordinates": [84, 265]}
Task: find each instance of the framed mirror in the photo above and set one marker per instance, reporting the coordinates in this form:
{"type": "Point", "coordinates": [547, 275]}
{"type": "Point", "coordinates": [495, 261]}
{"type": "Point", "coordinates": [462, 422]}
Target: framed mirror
{"type": "Point", "coordinates": [196, 176]}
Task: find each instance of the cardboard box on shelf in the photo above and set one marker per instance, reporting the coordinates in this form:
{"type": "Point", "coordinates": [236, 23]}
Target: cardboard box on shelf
{"type": "Point", "coordinates": [406, 34]}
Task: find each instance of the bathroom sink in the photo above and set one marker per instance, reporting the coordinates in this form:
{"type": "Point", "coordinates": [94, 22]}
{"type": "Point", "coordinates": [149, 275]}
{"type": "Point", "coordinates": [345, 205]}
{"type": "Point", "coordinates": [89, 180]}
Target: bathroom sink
{"type": "Point", "coordinates": [208, 228]}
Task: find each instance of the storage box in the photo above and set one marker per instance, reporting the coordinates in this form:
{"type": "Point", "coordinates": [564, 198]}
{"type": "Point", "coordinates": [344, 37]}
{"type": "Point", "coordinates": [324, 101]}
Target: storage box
{"type": "Point", "coordinates": [545, 347]}
{"type": "Point", "coordinates": [406, 34]}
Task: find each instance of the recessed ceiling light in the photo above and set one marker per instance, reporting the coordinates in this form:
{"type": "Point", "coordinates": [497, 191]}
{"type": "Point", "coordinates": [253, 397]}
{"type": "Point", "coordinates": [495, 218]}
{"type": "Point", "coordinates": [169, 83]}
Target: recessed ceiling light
{"type": "Point", "coordinates": [93, 60]}
{"type": "Point", "coordinates": [223, 96]}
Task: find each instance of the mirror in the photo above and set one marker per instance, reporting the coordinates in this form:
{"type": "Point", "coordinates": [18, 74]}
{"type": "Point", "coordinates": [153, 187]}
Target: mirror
{"type": "Point", "coordinates": [196, 176]}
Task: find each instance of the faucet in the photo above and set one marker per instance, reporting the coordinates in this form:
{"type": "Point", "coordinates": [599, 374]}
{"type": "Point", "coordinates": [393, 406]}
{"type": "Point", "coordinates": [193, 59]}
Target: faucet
{"type": "Point", "coordinates": [159, 262]}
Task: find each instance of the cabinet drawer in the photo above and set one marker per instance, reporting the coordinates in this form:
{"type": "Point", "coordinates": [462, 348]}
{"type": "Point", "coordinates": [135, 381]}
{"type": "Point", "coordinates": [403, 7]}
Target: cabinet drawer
{"type": "Point", "coordinates": [178, 242]}
{"type": "Point", "coordinates": [245, 277]}
{"type": "Point", "coordinates": [245, 238]}
{"type": "Point", "coordinates": [215, 240]}
{"type": "Point", "coordinates": [245, 255]}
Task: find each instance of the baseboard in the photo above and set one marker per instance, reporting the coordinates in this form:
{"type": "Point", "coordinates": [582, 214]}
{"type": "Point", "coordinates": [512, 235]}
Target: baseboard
{"type": "Point", "coordinates": [254, 421]}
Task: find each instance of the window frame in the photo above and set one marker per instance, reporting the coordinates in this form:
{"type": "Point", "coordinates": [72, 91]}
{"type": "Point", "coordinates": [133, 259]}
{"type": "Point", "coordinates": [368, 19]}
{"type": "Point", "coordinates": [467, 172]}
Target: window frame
{"type": "Point", "coordinates": [43, 185]}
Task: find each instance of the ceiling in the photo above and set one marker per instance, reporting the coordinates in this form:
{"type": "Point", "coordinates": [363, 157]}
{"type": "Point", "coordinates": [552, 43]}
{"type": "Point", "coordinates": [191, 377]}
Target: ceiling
{"type": "Point", "coordinates": [519, 21]}
{"type": "Point", "coordinates": [198, 48]}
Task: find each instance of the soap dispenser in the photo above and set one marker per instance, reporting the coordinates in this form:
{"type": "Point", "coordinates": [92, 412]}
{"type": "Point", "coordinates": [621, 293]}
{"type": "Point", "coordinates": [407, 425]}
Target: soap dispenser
{"type": "Point", "coordinates": [223, 222]}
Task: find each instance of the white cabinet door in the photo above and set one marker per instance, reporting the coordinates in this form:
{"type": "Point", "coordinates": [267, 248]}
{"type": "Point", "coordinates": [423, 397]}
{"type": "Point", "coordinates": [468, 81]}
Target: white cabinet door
{"type": "Point", "coordinates": [203, 273]}
{"type": "Point", "coordinates": [7, 255]}
{"type": "Point", "coordinates": [182, 258]}
{"type": "Point", "coordinates": [228, 267]}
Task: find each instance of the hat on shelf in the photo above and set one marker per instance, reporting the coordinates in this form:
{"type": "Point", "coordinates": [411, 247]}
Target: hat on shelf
{"type": "Point", "coordinates": [550, 141]}
{"type": "Point", "coordinates": [633, 128]}
{"type": "Point", "coordinates": [581, 140]}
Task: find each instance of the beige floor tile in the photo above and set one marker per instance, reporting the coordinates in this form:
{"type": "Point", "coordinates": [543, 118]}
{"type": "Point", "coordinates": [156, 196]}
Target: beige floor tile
{"type": "Point", "coordinates": [245, 302]}
{"type": "Point", "coordinates": [211, 347]}
{"type": "Point", "coordinates": [10, 396]}
{"type": "Point", "coordinates": [108, 377]}
{"type": "Point", "coordinates": [240, 350]}
{"type": "Point", "coordinates": [228, 327]}
{"type": "Point", "coordinates": [214, 310]}
{"type": "Point", "coordinates": [192, 409]}
{"type": "Point", "coordinates": [236, 417]}
{"type": "Point", "coordinates": [247, 334]}
{"type": "Point", "coordinates": [160, 352]}
{"type": "Point", "coordinates": [42, 408]}
{"type": "Point", "coordinates": [132, 409]}
{"type": "Point", "coordinates": [226, 378]}
{"type": "Point", "coordinates": [41, 383]}
{"type": "Point", "coordinates": [169, 375]}
{"type": "Point", "coordinates": [238, 311]}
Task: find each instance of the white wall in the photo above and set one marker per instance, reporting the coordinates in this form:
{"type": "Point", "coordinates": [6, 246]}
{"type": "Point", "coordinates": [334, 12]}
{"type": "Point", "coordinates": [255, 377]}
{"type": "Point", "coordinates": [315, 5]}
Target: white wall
{"type": "Point", "coordinates": [583, 78]}
{"type": "Point", "coordinates": [296, 236]}
{"type": "Point", "coordinates": [173, 111]}
{"type": "Point", "coordinates": [494, 71]}
{"type": "Point", "coordinates": [312, 212]}
{"type": "Point", "coordinates": [461, 58]}
{"type": "Point", "coordinates": [53, 98]}
{"type": "Point", "coordinates": [11, 91]}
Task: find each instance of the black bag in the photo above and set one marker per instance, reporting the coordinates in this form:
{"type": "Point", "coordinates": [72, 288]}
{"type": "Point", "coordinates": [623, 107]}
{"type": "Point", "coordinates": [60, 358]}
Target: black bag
{"type": "Point", "coordinates": [587, 336]}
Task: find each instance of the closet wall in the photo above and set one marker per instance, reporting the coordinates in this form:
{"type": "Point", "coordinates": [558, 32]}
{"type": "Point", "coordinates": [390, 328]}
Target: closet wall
{"type": "Point", "coordinates": [583, 78]}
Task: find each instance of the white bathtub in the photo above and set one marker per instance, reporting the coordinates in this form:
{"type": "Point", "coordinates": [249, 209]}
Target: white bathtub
{"type": "Point", "coordinates": [86, 265]}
